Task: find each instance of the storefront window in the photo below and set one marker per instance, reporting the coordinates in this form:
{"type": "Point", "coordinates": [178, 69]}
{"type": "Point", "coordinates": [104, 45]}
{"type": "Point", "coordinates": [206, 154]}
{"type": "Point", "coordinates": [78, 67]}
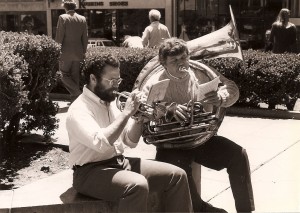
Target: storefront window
{"type": "Point", "coordinates": [253, 18]}
{"type": "Point", "coordinates": [295, 8]}
{"type": "Point", "coordinates": [199, 17]}
{"type": "Point", "coordinates": [111, 24]}
{"type": "Point", "coordinates": [30, 22]}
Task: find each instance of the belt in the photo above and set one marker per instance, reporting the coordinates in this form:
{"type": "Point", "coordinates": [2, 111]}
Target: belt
{"type": "Point", "coordinates": [119, 159]}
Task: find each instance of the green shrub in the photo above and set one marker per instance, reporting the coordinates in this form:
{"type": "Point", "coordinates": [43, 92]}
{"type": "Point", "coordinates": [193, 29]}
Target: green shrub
{"type": "Point", "coordinates": [263, 77]}
{"type": "Point", "coordinates": [12, 89]}
{"type": "Point", "coordinates": [41, 53]}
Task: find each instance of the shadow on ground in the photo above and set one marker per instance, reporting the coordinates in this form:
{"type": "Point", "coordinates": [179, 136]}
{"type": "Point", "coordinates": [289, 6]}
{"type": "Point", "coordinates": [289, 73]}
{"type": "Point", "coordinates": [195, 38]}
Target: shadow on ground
{"type": "Point", "coordinates": [30, 150]}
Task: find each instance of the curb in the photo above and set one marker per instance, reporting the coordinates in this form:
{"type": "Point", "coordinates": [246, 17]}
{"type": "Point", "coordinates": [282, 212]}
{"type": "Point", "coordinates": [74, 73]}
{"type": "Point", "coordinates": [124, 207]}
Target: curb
{"type": "Point", "coordinates": [263, 113]}
{"type": "Point", "coordinates": [233, 111]}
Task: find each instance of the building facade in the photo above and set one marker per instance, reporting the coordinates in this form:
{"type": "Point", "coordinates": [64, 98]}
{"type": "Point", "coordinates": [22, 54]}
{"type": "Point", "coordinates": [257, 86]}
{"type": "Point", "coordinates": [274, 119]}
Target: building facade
{"type": "Point", "coordinates": [187, 19]}
{"type": "Point", "coordinates": [196, 18]}
{"type": "Point", "coordinates": [109, 19]}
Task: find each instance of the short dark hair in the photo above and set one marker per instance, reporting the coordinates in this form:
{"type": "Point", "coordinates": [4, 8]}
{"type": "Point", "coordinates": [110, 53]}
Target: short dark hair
{"type": "Point", "coordinates": [171, 47]}
{"type": "Point", "coordinates": [95, 65]}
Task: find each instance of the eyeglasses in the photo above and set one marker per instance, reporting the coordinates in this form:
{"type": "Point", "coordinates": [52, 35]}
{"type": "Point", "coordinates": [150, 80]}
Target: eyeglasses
{"type": "Point", "coordinates": [114, 81]}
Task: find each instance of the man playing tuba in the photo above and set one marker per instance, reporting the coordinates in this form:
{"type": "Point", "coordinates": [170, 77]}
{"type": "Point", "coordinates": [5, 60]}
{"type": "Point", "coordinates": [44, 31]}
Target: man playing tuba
{"type": "Point", "coordinates": [218, 152]}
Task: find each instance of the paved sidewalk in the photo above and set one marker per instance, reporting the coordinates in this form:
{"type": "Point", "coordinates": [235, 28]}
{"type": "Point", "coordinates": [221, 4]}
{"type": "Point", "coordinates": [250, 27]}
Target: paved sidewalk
{"type": "Point", "coordinates": [273, 147]}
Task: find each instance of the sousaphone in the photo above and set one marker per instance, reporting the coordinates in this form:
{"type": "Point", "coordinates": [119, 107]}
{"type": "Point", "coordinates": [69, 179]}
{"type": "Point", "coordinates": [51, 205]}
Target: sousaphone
{"type": "Point", "coordinates": [202, 124]}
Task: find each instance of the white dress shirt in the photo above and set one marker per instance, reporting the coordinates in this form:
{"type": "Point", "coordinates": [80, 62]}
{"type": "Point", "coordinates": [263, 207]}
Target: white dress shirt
{"type": "Point", "coordinates": [86, 118]}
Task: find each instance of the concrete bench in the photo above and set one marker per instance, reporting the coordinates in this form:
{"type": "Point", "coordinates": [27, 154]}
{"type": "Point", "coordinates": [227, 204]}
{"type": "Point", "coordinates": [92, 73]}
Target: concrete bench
{"type": "Point", "coordinates": [56, 194]}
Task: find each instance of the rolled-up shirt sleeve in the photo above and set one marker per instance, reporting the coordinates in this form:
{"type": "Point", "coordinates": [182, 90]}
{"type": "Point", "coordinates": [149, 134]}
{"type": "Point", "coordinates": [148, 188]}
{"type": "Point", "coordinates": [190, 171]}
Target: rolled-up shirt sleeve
{"type": "Point", "coordinates": [130, 128]}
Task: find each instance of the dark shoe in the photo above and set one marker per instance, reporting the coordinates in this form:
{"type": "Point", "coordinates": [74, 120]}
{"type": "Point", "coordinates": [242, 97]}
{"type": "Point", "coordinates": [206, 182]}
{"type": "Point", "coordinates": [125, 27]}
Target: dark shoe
{"type": "Point", "coordinates": [206, 207]}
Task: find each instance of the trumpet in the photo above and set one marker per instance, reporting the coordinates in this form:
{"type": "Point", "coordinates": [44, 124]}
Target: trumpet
{"type": "Point", "coordinates": [161, 112]}
{"type": "Point", "coordinates": [153, 112]}
{"type": "Point", "coordinates": [125, 94]}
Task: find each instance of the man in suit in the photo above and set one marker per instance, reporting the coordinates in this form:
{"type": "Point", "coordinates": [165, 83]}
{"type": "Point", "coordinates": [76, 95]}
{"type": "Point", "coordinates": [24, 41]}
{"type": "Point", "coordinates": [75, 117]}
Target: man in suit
{"type": "Point", "coordinates": [72, 34]}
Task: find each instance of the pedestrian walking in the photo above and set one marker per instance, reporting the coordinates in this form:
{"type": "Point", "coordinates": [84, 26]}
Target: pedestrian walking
{"type": "Point", "coordinates": [72, 34]}
{"type": "Point", "coordinates": [156, 32]}
{"type": "Point", "coordinates": [283, 34]}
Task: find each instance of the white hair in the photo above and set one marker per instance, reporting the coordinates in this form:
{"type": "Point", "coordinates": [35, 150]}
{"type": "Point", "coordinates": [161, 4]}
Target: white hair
{"type": "Point", "coordinates": [154, 15]}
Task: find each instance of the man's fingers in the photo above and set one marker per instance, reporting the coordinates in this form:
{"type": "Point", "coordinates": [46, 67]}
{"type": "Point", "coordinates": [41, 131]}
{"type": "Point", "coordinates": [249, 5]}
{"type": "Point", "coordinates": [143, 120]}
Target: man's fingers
{"type": "Point", "coordinates": [180, 115]}
{"type": "Point", "coordinates": [182, 107]}
{"type": "Point", "coordinates": [177, 118]}
{"type": "Point", "coordinates": [183, 111]}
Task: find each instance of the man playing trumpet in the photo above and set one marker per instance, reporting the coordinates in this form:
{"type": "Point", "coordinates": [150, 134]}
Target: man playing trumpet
{"type": "Point", "coordinates": [95, 125]}
{"type": "Point", "coordinates": [218, 152]}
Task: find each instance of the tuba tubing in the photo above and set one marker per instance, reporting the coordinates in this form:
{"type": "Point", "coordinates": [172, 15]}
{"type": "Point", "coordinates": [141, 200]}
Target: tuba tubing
{"type": "Point", "coordinates": [175, 135]}
{"type": "Point", "coordinates": [202, 125]}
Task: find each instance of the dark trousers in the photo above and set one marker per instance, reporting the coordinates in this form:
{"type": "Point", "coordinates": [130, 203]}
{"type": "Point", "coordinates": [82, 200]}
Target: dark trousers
{"type": "Point", "coordinates": [217, 153]}
{"type": "Point", "coordinates": [70, 71]}
{"type": "Point", "coordinates": [128, 181]}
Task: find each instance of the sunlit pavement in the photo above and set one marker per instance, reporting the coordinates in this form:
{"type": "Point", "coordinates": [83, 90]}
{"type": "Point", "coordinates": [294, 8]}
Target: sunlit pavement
{"type": "Point", "coordinates": [273, 147]}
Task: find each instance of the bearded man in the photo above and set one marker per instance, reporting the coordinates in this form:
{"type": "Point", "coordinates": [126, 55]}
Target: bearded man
{"type": "Point", "coordinates": [95, 127]}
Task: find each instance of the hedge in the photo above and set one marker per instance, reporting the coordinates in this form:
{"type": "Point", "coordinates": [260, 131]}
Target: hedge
{"type": "Point", "coordinates": [13, 68]}
{"type": "Point", "coordinates": [29, 72]}
{"type": "Point", "coordinates": [262, 77]}
{"type": "Point", "coordinates": [39, 55]}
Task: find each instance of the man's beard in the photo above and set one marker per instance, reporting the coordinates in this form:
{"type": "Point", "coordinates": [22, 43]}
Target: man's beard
{"type": "Point", "coordinates": [104, 94]}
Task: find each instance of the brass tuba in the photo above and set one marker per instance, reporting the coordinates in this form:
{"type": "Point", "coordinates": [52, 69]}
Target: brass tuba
{"type": "Point", "coordinates": [202, 125]}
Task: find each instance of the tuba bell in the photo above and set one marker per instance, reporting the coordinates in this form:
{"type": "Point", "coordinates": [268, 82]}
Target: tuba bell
{"type": "Point", "coordinates": [202, 125]}
{"type": "Point", "coordinates": [221, 43]}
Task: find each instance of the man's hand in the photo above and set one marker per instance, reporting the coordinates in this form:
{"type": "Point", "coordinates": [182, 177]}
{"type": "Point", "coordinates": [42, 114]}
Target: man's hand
{"type": "Point", "coordinates": [213, 98]}
{"type": "Point", "coordinates": [133, 102]}
{"type": "Point", "coordinates": [182, 113]}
